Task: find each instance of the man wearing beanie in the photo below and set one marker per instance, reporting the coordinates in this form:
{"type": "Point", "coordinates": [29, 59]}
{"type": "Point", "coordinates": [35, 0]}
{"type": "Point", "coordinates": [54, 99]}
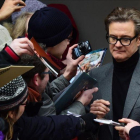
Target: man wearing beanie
{"type": "Point", "coordinates": [52, 29]}
{"type": "Point", "coordinates": [49, 26]}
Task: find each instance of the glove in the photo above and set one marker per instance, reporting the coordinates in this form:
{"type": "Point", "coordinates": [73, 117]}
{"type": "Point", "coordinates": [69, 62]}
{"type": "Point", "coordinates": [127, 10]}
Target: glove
{"type": "Point", "coordinates": [89, 124]}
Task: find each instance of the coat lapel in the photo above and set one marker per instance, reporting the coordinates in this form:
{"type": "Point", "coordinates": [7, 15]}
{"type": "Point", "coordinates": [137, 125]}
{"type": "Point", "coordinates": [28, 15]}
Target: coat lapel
{"type": "Point", "coordinates": [133, 91]}
{"type": "Point", "coordinates": [106, 90]}
{"type": "Point", "coordinates": [132, 95]}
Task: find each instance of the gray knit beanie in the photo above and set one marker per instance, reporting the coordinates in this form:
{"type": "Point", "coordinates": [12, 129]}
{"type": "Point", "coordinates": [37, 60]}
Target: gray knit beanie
{"type": "Point", "coordinates": [13, 94]}
{"type": "Point", "coordinates": [31, 6]}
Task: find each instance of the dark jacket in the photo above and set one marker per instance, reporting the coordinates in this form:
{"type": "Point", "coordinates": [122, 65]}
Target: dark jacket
{"type": "Point", "coordinates": [6, 57]}
{"type": "Point", "coordinates": [61, 127]}
{"type": "Point", "coordinates": [135, 133]}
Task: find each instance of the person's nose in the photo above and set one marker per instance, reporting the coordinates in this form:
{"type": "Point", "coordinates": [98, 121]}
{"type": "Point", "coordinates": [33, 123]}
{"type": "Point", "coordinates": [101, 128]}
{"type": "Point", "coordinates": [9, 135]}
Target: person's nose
{"type": "Point", "coordinates": [68, 42]}
{"type": "Point", "coordinates": [118, 44]}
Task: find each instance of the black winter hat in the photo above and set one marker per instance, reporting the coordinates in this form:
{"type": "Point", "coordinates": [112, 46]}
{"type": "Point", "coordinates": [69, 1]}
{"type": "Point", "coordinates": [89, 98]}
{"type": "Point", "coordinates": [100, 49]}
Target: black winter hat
{"type": "Point", "coordinates": [49, 26]}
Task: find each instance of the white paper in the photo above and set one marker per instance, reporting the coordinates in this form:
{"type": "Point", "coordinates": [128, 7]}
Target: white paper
{"type": "Point", "coordinates": [105, 121]}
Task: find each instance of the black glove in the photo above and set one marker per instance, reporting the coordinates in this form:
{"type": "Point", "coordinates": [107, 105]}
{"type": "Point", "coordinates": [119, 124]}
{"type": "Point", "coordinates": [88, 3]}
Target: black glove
{"type": "Point", "coordinates": [4, 126]}
{"type": "Point", "coordinates": [90, 125]}
{"type": "Point", "coordinates": [32, 108]}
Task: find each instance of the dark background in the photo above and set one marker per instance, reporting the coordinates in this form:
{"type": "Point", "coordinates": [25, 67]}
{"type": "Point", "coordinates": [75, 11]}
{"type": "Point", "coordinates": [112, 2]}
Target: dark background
{"type": "Point", "coordinates": [89, 16]}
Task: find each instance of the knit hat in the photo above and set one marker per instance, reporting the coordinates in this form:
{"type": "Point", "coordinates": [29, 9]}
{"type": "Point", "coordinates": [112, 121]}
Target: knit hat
{"type": "Point", "coordinates": [31, 6]}
{"type": "Point", "coordinates": [49, 26]}
{"type": "Point", "coordinates": [5, 37]}
{"type": "Point", "coordinates": [13, 93]}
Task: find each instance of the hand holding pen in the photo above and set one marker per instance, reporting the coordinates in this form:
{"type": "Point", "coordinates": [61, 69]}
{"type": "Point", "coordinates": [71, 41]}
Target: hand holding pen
{"type": "Point", "coordinates": [100, 108]}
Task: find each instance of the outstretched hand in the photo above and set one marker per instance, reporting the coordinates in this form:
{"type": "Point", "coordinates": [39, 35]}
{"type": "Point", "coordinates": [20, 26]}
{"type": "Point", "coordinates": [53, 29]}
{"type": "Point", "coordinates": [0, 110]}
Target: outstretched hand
{"type": "Point", "coordinates": [10, 6]}
{"type": "Point", "coordinates": [124, 131]}
{"type": "Point", "coordinates": [72, 64]}
{"type": "Point", "coordinates": [130, 124]}
{"type": "Point", "coordinates": [87, 95]}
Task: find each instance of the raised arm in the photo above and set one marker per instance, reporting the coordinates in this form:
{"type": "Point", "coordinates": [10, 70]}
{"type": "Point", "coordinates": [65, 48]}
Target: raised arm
{"type": "Point", "coordinates": [10, 6]}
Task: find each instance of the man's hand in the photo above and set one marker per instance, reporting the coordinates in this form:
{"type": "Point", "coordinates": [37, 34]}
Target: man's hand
{"type": "Point", "coordinates": [121, 131]}
{"type": "Point", "coordinates": [10, 6]}
{"type": "Point", "coordinates": [22, 46]}
{"type": "Point", "coordinates": [72, 64]}
{"type": "Point", "coordinates": [99, 108]}
{"type": "Point", "coordinates": [87, 96]}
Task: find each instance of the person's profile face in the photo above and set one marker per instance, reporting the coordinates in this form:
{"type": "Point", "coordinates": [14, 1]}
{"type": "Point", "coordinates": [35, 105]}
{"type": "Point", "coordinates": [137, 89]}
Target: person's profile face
{"type": "Point", "coordinates": [59, 49]}
{"type": "Point", "coordinates": [123, 30]}
{"type": "Point", "coordinates": [42, 83]}
{"type": "Point", "coordinates": [16, 115]}
{"type": "Point", "coordinates": [21, 110]}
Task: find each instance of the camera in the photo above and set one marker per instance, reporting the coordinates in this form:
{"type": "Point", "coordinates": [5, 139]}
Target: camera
{"type": "Point", "coordinates": [83, 48]}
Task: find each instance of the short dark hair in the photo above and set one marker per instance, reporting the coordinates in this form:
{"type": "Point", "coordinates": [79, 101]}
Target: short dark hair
{"type": "Point", "coordinates": [120, 14]}
{"type": "Point", "coordinates": [35, 61]}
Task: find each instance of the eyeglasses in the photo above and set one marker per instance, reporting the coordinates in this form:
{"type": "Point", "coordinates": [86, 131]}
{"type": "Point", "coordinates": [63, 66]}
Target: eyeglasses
{"type": "Point", "coordinates": [124, 40]}
{"type": "Point", "coordinates": [46, 72]}
{"type": "Point", "coordinates": [70, 38]}
{"type": "Point", "coordinates": [26, 103]}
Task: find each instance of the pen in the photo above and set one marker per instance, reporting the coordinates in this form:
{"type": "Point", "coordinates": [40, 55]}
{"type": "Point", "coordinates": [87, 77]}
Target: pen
{"type": "Point", "coordinates": [80, 68]}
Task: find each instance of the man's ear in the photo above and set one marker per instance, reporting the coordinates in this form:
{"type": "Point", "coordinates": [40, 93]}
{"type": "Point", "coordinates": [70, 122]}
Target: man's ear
{"type": "Point", "coordinates": [138, 41]}
{"type": "Point", "coordinates": [36, 79]}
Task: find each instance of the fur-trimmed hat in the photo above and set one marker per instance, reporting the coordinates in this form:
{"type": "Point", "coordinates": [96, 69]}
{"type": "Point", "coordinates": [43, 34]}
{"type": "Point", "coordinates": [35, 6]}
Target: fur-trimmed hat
{"type": "Point", "coordinates": [49, 26]}
{"type": "Point", "coordinates": [13, 94]}
{"type": "Point", "coordinates": [31, 6]}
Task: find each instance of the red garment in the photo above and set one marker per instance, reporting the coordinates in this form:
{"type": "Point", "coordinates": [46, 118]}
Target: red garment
{"type": "Point", "coordinates": [33, 95]}
{"type": "Point", "coordinates": [11, 53]}
{"type": "Point", "coordinates": [75, 138]}
{"type": "Point", "coordinates": [57, 61]}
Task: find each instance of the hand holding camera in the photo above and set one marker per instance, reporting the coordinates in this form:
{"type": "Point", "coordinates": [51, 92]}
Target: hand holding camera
{"type": "Point", "coordinates": [78, 51]}
{"type": "Point", "coordinates": [83, 48]}
{"type": "Point", "coordinates": [71, 63]}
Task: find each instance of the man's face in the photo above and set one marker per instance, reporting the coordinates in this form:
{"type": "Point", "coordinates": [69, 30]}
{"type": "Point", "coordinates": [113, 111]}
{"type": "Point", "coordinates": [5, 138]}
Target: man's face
{"type": "Point", "coordinates": [43, 82]}
{"type": "Point", "coordinates": [123, 30]}
{"type": "Point", "coordinates": [59, 49]}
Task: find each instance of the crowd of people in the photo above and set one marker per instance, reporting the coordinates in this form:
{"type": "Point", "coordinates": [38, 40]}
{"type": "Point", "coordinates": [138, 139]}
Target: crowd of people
{"type": "Point", "coordinates": [27, 109]}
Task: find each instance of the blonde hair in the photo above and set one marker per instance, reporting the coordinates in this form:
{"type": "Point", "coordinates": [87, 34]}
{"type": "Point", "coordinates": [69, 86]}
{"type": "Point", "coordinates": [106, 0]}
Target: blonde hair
{"type": "Point", "coordinates": [19, 28]}
{"type": "Point", "coordinates": [10, 121]}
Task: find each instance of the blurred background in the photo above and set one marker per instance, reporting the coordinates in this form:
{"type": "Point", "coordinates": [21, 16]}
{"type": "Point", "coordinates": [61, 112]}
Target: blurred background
{"type": "Point", "coordinates": [89, 16]}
